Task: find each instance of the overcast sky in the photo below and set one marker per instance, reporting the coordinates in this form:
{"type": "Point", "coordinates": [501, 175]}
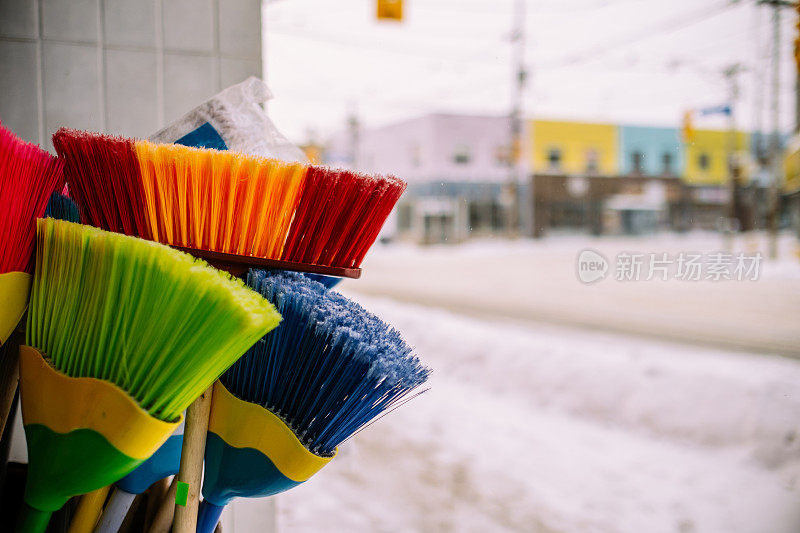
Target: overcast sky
{"type": "Point", "coordinates": [620, 61]}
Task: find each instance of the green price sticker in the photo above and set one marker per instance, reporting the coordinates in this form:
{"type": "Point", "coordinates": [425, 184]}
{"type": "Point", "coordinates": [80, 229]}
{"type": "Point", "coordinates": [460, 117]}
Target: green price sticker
{"type": "Point", "coordinates": [182, 493]}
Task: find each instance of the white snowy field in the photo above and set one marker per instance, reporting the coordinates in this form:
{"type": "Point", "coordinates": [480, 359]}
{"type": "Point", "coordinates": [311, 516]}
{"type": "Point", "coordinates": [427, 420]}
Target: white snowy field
{"type": "Point", "coordinates": [554, 429]}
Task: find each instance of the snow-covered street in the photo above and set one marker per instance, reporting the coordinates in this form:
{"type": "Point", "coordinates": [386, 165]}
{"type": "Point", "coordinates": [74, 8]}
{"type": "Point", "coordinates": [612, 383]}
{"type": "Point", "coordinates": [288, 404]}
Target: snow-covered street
{"type": "Point", "coordinates": [535, 281]}
{"type": "Point", "coordinates": [555, 429]}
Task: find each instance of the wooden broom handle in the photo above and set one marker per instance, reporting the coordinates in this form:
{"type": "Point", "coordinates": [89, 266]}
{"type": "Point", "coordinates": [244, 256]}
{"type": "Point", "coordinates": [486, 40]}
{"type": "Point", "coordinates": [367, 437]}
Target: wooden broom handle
{"type": "Point", "coordinates": [89, 510]}
{"type": "Point", "coordinates": [191, 469]}
{"type": "Point", "coordinates": [163, 518]}
{"type": "Point", "coordinates": [156, 494]}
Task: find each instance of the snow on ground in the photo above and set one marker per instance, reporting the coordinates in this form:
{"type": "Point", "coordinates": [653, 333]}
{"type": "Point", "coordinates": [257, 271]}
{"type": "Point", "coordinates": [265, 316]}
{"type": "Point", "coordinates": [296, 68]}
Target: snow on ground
{"type": "Point", "coordinates": [555, 429]}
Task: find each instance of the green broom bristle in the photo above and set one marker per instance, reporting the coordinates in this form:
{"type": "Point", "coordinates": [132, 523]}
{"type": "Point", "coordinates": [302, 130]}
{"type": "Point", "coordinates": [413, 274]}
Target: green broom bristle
{"type": "Point", "coordinates": [156, 322]}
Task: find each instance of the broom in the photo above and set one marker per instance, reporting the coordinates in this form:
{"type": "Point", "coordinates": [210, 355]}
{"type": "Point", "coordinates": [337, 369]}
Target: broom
{"type": "Point", "coordinates": [61, 207]}
{"type": "Point", "coordinates": [28, 175]}
{"type": "Point", "coordinates": [279, 413]}
{"type": "Point", "coordinates": [123, 334]}
{"type": "Point", "coordinates": [234, 210]}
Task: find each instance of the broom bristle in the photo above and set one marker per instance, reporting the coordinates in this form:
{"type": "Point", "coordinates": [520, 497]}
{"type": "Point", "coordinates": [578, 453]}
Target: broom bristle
{"type": "Point", "coordinates": [28, 175]}
{"type": "Point", "coordinates": [156, 322]}
{"type": "Point", "coordinates": [329, 369]}
{"type": "Point", "coordinates": [103, 176]}
{"type": "Point", "coordinates": [226, 201]}
{"type": "Point", "coordinates": [339, 216]}
{"type": "Point", "coordinates": [218, 200]}
{"type": "Point", "coordinates": [62, 207]}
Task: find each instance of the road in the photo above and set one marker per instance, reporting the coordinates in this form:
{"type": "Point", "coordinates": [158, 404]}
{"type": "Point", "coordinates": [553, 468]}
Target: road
{"type": "Point", "coordinates": [537, 281]}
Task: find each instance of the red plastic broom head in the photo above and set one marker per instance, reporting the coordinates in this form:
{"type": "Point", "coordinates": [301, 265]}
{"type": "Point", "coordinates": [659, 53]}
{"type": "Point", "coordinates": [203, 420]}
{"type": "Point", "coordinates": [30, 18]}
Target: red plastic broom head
{"type": "Point", "coordinates": [28, 176]}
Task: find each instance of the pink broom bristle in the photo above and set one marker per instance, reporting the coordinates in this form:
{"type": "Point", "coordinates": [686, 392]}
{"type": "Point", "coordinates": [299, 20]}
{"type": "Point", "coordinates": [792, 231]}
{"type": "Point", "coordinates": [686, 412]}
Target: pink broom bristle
{"type": "Point", "coordinates": [28, 176]}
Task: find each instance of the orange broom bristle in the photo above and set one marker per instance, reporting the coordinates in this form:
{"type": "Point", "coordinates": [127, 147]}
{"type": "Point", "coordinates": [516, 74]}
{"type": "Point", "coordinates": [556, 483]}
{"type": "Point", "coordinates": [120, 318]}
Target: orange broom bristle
{"type": "Point", "coordinates": [220, 201]}
{"type": "Point", "coordinates": [28, 176]}
{"type": "Point", "coordinates": [226, 201]}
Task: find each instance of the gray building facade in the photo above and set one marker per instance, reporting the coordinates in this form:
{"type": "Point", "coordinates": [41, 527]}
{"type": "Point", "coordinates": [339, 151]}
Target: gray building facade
{"type": "Point", "coordinates": [456, 167]}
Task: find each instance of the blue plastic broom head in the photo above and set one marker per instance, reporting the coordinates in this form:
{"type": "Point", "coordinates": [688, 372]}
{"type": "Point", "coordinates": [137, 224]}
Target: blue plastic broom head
{"type": "Point", "coordinates": [280, 411]}
{"type": "Point", "coordinates": [331, 367]}
{"type": "Point", "coordinates": [62, 207]}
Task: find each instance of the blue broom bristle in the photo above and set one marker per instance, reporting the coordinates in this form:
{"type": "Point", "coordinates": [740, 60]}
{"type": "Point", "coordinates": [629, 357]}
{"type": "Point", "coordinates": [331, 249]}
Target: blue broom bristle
{"type": "Point", "coordinates": [329, 369]}
{"type": "Point", "coordinates": [62, 207]}
{"type": "Point", "coordinates": [328, 281]}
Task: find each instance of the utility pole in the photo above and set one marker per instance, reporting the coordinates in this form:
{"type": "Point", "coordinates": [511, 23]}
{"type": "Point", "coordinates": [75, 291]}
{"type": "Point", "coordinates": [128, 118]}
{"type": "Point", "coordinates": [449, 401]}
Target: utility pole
{"type": "Point", "coordinates": [761, 147]}
{"type": "Point", "coordinates": [354, 129]}
{"type": "Point", "coordinates": [517, 174]}
{"type": "Point", "coordinates": [734, 208]}
{"type": "Point", "coordinates": [797, 71]}
{"type": "Point", "coordinates": [775, 151]}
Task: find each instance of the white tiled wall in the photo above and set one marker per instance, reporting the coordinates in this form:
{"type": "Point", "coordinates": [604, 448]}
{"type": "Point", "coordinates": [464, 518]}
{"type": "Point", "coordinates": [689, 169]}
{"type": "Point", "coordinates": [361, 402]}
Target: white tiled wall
{"type": "Point", "coordinates": [120, 66]}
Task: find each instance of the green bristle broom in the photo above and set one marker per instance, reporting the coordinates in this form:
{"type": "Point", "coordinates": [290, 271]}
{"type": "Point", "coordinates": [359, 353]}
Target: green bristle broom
{"type": "Point", "coordinates": [122, 335]}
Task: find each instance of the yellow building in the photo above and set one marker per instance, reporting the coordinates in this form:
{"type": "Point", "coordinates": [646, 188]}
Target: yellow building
{"type": "Point", "coordinates": [707, 156]}
{"type": "Point", "coordinates": [574, 148]}
{"type": "Point", "coordinates": [791, 165]}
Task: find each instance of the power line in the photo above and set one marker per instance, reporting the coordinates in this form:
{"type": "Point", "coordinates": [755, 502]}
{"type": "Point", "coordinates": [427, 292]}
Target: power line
{"type": "Point", "coordinates": [402, 49]}
{"type": "Point", "coordinates": [479, 57]}
{"type": "Point", "coordinates": [688, 19]}
{"type": "Point", "coordinates": [491, 8]}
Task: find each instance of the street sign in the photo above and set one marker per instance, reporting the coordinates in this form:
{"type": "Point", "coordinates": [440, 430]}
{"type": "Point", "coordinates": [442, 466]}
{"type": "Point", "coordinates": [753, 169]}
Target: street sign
{"type": "Point", "coordinates": [724, 109]}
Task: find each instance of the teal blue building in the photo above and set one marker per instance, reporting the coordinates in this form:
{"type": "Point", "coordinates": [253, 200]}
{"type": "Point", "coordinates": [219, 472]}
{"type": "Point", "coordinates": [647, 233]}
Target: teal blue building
{"type": "Point", "coordinates": [650, 151]}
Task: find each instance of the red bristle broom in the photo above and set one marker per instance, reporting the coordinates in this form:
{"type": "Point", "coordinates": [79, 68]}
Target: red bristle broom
{"type": "Point", "coordinates": [236, 211]}
{"type": "Point", "coordinates": [28, 176]}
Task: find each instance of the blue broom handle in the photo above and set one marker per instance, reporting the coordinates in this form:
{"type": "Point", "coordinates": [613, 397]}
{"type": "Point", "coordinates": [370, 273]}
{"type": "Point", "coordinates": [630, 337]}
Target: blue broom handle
{"type": "Point", "coordinates": [115, 511]}
{"type": "Point", "coordinates": [208, 516]}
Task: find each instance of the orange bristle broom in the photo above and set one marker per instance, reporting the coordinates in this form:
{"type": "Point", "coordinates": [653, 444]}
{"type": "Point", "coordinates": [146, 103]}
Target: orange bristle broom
{"type": "Point", "coordinates": [28, 176]}
{"type": "Point", "coordinates": [236, 211]}
{"type": "Point", "coordinates": [232, 209]}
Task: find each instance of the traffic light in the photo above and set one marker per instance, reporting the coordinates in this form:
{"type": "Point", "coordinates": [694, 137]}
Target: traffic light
{"type": "Point", "coordinates": [390, 9]}
{"type": "Point", "coordinates": [797, 39]}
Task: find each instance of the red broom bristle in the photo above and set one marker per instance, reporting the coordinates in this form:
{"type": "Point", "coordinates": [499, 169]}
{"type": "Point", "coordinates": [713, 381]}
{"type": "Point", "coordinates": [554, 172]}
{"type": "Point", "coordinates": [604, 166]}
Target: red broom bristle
{"type": "Point", "coordinates": [373, 218]}
{"type": "Point", "coordinates": [339, 216]}
{"type": "Point", "coordinates": [104, 178]}
{"type": "Point", "coordinates": [28, 176]}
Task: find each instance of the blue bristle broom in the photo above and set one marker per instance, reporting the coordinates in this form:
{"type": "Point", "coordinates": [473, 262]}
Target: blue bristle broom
{"type": "Point", "coordinates": [62, 207]}
{"type": "Point", "coordinates": [279, 413]}
{"type": "Point", "coordinates": [329, 281]}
